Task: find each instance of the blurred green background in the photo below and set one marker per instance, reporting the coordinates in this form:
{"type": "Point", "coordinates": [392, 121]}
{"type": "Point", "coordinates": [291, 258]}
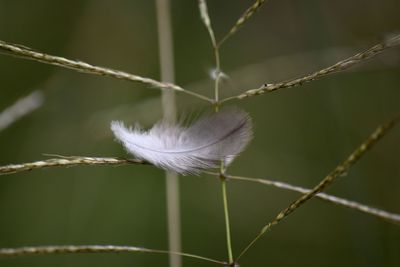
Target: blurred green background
{"type": "Point", "coordinates": [300, 133]}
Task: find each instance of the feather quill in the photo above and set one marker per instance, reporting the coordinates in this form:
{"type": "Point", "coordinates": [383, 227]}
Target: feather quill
{"type": "Point", "coordinates": [188, 150]}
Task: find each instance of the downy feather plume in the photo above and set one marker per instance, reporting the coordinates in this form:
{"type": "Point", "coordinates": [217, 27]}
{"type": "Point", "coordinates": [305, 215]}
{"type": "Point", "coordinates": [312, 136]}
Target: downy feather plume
{"type": "Point", "coordinates": [188, 150]}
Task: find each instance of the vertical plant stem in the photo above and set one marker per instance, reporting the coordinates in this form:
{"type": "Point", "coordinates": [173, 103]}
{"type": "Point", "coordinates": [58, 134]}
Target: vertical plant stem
{"type": "Point", "coordinates": [222, 176]}
{"type": "Point", "coordinates": [218, 70]}
{"type": "Point", "coordinates": [207, 22]}
{"type": "Point", "coordinates": [169, 109]}
{"type": "Point", "coordinates": [226, 215]}
{"type": "Point", "coordinates": [173, 210]}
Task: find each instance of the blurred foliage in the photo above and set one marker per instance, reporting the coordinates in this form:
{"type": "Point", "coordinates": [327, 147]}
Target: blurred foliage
{"type": "Point", "coordinates": [300, 133]}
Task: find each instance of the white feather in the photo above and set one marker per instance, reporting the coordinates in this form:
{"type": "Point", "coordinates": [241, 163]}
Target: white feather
{"type": "Point", "coordinates": [211, 139]}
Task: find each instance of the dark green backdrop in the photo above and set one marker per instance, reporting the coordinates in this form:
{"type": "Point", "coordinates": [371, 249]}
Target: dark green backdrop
{"type": "Point", "coordinates": [300, 133]}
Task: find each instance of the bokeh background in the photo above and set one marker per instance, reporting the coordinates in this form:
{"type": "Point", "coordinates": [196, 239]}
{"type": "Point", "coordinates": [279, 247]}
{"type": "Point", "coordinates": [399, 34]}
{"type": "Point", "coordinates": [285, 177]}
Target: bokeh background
{"type": "Point", "coordinates": [300, 133]}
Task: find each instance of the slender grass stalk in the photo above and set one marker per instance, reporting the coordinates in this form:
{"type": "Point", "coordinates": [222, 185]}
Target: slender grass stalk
{"type": "Point", "coordinates": [21, 108]}
{"type": "Point", "coordinates": [207, 22]}
{"type": "Point", "coordinates": [381, 214]}
{"type": "Point", "coordinates": [63, 161]}
{"type": "Point", "coordinates": [168, 100]}
{"type": "Point", "coordinates": [217, 78]}
{"type": "Point", "coordinates": [226, 215]}
{"type": "Point", "coordinates": [337, 67]}
{"type": "Point", "coordinates": [246, 16]}
{"type": "Point", "coordinates": [227, 224]}
{"type": "Point", "coordinates": [170, 114]}
{"type": "Point", "coordinates": [205, 17]}
{"type": "Point", "coordinates": [71, 249]}
{"type": "Point", "coordinates": [339, 171]}
{"type": "Point", "coordinates": [28, 53]}
{"type": "Point", "coordinates": [223, 180]}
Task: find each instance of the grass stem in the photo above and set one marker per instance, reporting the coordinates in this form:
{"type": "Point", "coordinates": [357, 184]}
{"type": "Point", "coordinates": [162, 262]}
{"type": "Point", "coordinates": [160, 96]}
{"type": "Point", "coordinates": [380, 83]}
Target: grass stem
{"type": "Point", "coordinates": [339, 171]}
{"type": "Point", "coordinates": [71, 249]}
{"type": "Point", "coordinates": [170, 115]}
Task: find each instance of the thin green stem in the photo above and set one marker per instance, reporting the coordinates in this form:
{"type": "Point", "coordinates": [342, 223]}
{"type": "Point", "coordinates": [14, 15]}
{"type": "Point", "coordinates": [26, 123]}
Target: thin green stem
{"type": "Point", "coordinates": [207, 22]}
{"type": "Point", "coordinates": [72, 249]}
{"type": "Point", "coordinates": [249, 246]}
{"type": "Point", "coordinates": [339, 171]}
{"type": "Point", "coordinates": [218, 71]}
{"type": "Point", "coordinates": [223, 179]}
{"type": "Point", "coordinates": [227, 224]}
{"type": "Point", "coordinates": [245, 16]}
